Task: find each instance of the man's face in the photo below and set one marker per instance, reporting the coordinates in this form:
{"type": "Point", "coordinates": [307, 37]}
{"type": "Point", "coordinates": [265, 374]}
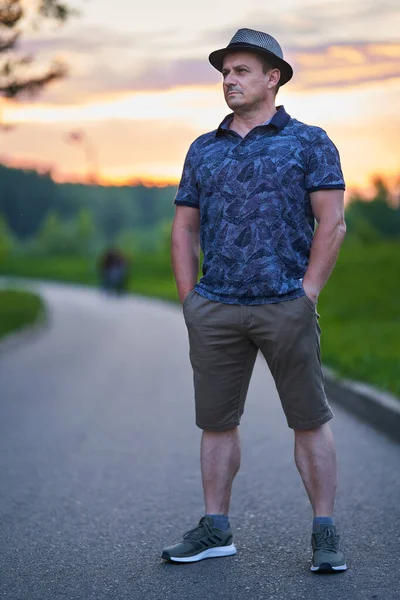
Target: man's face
{"type": "Point", "coordinates": [245, 84]}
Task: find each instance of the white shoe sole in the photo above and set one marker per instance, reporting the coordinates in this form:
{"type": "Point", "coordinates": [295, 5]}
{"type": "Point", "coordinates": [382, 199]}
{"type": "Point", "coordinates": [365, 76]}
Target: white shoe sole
{"type": "Point", "coordinates": [326, 570]}
{"type": "Point", "coordinates": [210, 553]}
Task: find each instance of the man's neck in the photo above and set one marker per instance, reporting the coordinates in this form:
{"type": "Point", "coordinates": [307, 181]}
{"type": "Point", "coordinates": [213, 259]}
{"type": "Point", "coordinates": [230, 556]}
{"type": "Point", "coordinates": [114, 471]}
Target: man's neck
{"type": "Point", "coordinates": [243, 122]}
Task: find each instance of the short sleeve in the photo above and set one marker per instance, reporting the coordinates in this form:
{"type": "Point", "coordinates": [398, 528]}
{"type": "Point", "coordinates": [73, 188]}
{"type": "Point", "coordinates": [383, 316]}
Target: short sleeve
{"type": "Point", "coordinates": [324, 171]}
{"type": "Point", "coordinates": [188, 193]}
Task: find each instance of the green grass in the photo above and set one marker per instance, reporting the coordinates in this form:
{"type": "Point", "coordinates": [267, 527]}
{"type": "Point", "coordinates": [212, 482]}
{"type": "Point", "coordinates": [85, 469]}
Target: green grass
{"type": "Point", "coordinates": [18, 309]}
{"type": "Point", "coordinates": [150, 274]}
{"type": "Point", "coordinates": [359, 307]}
{"type": "Point", "coordinates": [68, 269]}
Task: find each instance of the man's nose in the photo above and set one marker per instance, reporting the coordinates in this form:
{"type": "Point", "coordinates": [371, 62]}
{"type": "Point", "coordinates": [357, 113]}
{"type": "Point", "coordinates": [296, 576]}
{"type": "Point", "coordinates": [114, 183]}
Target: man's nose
{"type": "Point", "coordinates": [230, 79]}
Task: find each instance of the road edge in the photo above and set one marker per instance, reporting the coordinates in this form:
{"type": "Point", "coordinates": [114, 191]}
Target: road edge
{"type": "Point", "coordinates": [16, 338]}
{"type": "Point", "coordinates": [377, 408]}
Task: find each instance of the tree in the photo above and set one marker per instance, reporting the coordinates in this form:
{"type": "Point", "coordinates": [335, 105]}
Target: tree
{"type": "Point", "coordinates": [16, 75]}
{"type": "Point", "coordinates": [370, 220]}
{"type": "Point", "coordinates": [83, 233]}
{"type": "Point", "coordinates": [112, 218]}
{"type": "Point", "coordinates": [25, 199]}
{"type": "Point", "coordinates": [52, 238]}
{"type": "Point", "coordinates": [61, 238]}
{"type": "Point", "coordinates": [6, 240]}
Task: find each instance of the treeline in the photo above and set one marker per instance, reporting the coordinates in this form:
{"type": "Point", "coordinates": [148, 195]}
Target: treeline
{"type": "Point", "coordinates": [39, 216]}
{"type": "Point", "coordinates": [376, 218]}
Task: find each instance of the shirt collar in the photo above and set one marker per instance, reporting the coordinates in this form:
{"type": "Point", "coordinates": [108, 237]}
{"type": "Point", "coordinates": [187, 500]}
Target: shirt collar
{"type": "Point", "coordinates": [278, 121]}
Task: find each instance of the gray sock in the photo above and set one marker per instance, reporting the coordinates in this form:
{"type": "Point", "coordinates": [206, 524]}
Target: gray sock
{"type": "Point", "coordinates": [317, 521]}
{"type": "Point", "coordinates": [220, 521]}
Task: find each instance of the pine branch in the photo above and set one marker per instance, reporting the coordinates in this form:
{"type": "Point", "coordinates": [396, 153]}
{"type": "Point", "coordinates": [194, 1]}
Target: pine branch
{"type": "Point", "coordinates": [14, 80]}
{"type": "Point", "coordinates": [16, 86]}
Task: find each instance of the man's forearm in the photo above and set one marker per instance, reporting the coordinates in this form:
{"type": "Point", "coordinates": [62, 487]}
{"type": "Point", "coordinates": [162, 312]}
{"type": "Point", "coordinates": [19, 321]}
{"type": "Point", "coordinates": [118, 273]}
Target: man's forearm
{"type": "Point", "coordinates": [324, 252]}
{"type": "Point", "coordinates": [185, 252]}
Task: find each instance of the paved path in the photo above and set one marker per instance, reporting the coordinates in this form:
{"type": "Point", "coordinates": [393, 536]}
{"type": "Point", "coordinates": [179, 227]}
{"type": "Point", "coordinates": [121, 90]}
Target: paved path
{"type": "Point", "coordinates": [99, 470]}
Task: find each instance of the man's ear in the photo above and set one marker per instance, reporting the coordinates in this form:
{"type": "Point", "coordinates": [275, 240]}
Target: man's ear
{"type": "Point", "coordinates": [274, 77]}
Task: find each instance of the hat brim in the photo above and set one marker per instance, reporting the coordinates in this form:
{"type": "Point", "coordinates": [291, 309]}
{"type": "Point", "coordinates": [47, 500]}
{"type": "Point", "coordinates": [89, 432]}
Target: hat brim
{"type": "Point", "coordinates": [216, 58]}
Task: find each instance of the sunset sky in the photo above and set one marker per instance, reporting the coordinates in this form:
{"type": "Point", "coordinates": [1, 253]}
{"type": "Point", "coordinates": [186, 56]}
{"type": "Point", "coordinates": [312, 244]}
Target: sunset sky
{"type": "Point", "coordinates": [141, 87]}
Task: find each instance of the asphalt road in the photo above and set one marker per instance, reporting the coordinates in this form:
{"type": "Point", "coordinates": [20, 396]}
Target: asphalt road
{"type": "Point", "coordinates": [99, 470]}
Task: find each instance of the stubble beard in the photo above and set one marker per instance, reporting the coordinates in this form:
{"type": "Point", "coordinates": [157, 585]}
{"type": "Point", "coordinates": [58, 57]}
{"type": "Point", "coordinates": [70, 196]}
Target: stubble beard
{"type": "Point", "coordinates": [235, 102]}
{"type": "Point", "coordinates": [242, 107]}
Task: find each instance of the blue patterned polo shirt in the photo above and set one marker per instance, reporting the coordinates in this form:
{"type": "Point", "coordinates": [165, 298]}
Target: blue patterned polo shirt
{"type": "Point", "coordinates": [253, 193]}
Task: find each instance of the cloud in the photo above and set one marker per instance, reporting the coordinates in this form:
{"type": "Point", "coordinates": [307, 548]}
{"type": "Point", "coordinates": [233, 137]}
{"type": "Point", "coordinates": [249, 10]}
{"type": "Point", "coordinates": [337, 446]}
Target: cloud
{"type": "Point", "coordinates": [329, 45]}
{"type": "Point", "coordinates": [346, 65]}
{"type": "Point", "coordinates": [295, 25]}
{"type": "Point", "coordinates": [113, 78]}
{"type": "Point", "coordinates": [86, 40]}
{"type": "Point", "coordinates": [315, 23]}
{"type": "Point", "coordinates": [330, 66]}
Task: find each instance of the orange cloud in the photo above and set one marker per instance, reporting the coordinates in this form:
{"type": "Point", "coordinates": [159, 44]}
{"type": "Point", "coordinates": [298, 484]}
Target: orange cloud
{"type": "Point", "coordinates": [314, 67]}
{"type": "Point", "coordinates": [346, 65]}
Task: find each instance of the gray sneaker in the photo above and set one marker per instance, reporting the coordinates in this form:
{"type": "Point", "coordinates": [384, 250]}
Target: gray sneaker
{"type": "Point", "coordinates": [204, 541]}
{"type": "Point", "coordinates": [327, 557]}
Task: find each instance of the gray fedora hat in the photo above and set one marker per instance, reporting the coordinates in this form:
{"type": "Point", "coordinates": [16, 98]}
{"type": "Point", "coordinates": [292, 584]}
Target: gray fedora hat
{"type": "Point", "coordinates": [258, 42]}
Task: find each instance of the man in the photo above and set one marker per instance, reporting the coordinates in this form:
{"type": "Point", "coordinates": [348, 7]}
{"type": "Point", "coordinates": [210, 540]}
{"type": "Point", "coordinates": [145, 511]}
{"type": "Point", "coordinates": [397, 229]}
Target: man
{"type": "Point", "coordinates": [249, 196]}
{"type": "Point", "coordinates": [113, 270]}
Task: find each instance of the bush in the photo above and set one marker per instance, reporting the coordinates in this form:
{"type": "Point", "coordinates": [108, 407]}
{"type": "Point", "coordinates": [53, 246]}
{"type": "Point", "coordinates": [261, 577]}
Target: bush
{"type": "Point", "coordinates": [65, 238]}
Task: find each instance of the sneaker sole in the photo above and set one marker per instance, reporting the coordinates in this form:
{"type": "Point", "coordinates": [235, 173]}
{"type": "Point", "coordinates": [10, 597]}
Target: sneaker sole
{"type": "Point", "coordinates": [210, 553]}
{"type": "Point", "coordinates": [327, 568]}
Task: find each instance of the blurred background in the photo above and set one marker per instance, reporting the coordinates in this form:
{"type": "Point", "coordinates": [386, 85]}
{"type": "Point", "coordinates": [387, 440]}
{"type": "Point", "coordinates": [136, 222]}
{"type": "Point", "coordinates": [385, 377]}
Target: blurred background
{"type": "Point", "coordinates": [100, 101]}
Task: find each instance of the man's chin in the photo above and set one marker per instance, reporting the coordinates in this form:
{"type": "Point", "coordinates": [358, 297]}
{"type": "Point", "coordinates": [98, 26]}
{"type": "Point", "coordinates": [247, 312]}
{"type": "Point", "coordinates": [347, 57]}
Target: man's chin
{"type": "Point", "coordinates": [234, 102]}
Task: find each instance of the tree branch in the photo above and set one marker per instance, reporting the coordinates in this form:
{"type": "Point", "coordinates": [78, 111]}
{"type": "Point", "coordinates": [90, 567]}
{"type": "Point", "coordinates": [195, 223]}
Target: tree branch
{"type": "Point", "coordinates": [32, 85]}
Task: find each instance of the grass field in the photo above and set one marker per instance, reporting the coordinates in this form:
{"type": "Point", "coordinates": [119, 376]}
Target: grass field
{"type": "Point", "coordinates": [17, 309]}
{"type": "Point", "coordinates": [360, 309]}
{"type": "Point", "coordinates": [360, 306]}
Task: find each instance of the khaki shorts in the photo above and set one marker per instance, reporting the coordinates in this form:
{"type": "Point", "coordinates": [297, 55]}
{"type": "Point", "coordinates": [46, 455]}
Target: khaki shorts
{"type": "Point", "coordinates": [224, 340]}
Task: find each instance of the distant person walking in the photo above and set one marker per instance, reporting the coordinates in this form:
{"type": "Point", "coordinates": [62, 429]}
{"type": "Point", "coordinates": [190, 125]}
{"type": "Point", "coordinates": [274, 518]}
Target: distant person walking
{"type": "Point", "coordinates": [249, 195]}
{"type": "Point", "coordinates": [113, 268]}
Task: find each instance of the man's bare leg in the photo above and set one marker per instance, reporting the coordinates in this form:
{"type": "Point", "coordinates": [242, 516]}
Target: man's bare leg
{"type": "Point", "coordinates": [315, 458]}
{"type": "Point", "coordinates": [316, 461]}
{"type": "Point", "coordinates": [220, 461]}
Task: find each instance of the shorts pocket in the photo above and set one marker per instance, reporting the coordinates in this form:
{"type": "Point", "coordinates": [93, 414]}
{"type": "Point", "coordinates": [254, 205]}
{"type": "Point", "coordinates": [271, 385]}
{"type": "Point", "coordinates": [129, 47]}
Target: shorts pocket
{"type": "Point", "coordinates": [309, 302]}
{"type": "Point", "coordinates": [188, 299]}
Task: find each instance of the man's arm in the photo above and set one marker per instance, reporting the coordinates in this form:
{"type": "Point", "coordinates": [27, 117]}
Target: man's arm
{"type": "Point", "coordinates": [185, 248]}
{"type": "Point", "coordinates": [328, 208]}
